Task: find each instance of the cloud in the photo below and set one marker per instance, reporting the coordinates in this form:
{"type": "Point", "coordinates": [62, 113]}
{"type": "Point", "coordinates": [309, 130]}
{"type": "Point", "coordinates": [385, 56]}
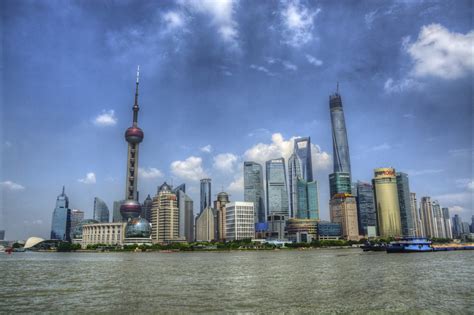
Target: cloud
{"type": "Point", "coordinates": [206, 148]}
{"type": "Point", "coordinates": [467, 183]}
{"type": "Point", "coordinates": [424, 172]}
{"type": "Point", "coordinates": [106, 118]}
{"type": "Point", "coordinates": [190, 169]}
{"type": "Point", "coordinates": [262, 69]}
{"type": "Point", "coordinates": [313, 60]}
{"type": "Point", "coordinates": [381, 147]}
{"type": "Point", "coordinates": [461, 152]}
{"type": "Point", "coordinates": [225, 162]}
{"type": "Point", "coordinates": [173, 20]}
{"type": "Point", "coordinates": [286, 64]}
{"type": "Point", "coordinates": [457, 209]}
{"type": "Point", "coordinates": [289, 66]}
{"type": "Point", "coordinates": [454, 199]}
{"type": "Point", "coordinates": [258, 132]}
{"type": "Point", "coordinates": [369, 18]}
{"type": "Point", "coordinates": [9, 185]}
{"type": "Point", "coordinates": [402, 85]}
{"type": "Point", "coordinates": [149, 173]}
{"type": "Point", "coordinates": [279, 147]}
{"type": "Point", "coordinates": [237, 185]}
{"type": "Point", "coordinates": [298, 23]}
{"type": "Point", "coordinates": [440, 53]}
{"type": "Point", "coordinates": [89, 179]}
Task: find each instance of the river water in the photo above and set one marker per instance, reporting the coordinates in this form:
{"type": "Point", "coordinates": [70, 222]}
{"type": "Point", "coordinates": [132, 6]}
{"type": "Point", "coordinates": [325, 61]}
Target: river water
{"type": "Point", "coordinates": [312, 281]}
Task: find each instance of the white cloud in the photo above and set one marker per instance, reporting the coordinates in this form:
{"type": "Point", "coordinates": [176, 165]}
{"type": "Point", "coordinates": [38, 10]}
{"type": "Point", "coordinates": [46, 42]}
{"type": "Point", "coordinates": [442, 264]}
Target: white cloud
{"type": "Point", "coordinates": [467, 183]}
{"type": "Point", "coordinates": [190, 169]}
{"type": "Point", "coordinates": [369, 18]}
{"type": "Point", "coordinates": [440, 53]}
{"type": "Point", "coordinates": [174, 19]}
{"type": "Point", "coordinates": [454, 199]}
{"type": "Point", "coordinates": [206, 148]}
{"type": "Point", "coordinates": [298, 22]}
{"type": "Point", "coordinates": [149, 173]}
{"type": "Point", "coordinates": [398, 86]}
{"type": "Point", "coordinates": [289, 66]}
{"type": "Point", "coordinates": [89, 179]}
{"type": "Point", "coordinates": [237, 185]}
{"type": "Point", "coordinates": [258, 132]}
{"type": "Point", "coordinates": [9, 185]}
{"type": "Point", "coordinates": [225, 162]}
{"type": "Point", "coordinates": [457, 209]}
{"type": "Point", "coordinates": [313, 60]}
{"type": "Point", "coordinates": [279, 147]}
{"type": "Point", "coordinates": [381, 147]}
{"type": "Point", "coordinates": [424, 172]}
{"type": "Point", "coordinates": [106, 118]}
{"type": "Point", "coordinates": [261, 69]}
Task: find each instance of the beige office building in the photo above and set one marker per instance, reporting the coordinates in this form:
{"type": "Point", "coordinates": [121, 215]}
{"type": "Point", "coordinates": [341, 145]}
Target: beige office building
{"type": "Point", "coordinates": [343, 210]}
{"type": "Point", "coordinates": [206, 224]}
{"type": "Point", "coordinates": [165, 216]}
{"type": "Point", "coordinates": [426, 210]}
{"type": "Point", "coordinates": [386, 202]}
{"type": "Point", "coordinates": [103, 233]}
{"type": "Point", "coordinates": [219, 206]}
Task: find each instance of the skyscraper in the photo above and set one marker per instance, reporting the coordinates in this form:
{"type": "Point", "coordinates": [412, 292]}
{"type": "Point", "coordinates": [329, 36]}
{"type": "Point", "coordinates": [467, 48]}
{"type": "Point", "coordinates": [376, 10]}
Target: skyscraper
{"type": "Point", "coordinates": [116, 215]}
{"type": "Point", "coordinates": [239, 221]}
{"type": "Point", "coordinates": [186, 213]}
{"type": "Point", "coordinates": [457, 226]}
{"type": "Point", "coordinates": [61, 222]}
{"type": "Point", "coordinates": [386, 202]}
{"type": "Point", "coordinates": [220, 204]}
{"type": "Point", "coordinates": [146, 208]}
{"type": "Point", "coordinates": [343, 210]}
{"type": "Point", "coordinates": [339, 135]}
{"type": "Point", "coordinates": [299, 167]}
{"type": "Point", "coordinates": [340, 183]}
{"type": "Point", "coordinates": [205, 194]}
{"type": "Point", "coordinates": [366, 211]}
{"type": "Point", "coordinates": [416, 216]}
{"type": "Point", "coordinates": [77, 216]}
{"type": "Point", "coordinates": [406, 215]}
{"type": "Point", "coordinates": [253, 189]}
{"type": "Point", "coordinates": [426, 211]}
{"type": "Point", "coordinates": [165, 216]}
{"type": "Point", "coordinates": [277, 193]}
{"type": "Point", "coordinates": [206, 223]}
{"type": "Point", "coordinates": [447, 223]}
{"type": "Point", "coordinates": [438, 220]}
{"type": "Point", "coordinates": [307, 197]}
{"type": "Point", "coordinates": [101, 211]}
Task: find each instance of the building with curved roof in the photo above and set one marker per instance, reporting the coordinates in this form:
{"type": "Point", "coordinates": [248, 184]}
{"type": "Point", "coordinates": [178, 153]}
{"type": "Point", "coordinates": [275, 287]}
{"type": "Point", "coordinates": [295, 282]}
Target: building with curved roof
{"type": "Point", "coordinates": [33, 241]}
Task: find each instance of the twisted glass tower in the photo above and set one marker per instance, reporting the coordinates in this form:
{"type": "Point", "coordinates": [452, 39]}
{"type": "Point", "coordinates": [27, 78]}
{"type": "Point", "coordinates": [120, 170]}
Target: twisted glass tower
{"type": "Point", "coordinates": [342, 163]}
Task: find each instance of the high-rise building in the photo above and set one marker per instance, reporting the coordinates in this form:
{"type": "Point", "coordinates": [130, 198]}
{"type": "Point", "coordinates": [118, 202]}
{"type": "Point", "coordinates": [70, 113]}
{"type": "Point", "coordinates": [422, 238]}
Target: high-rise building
{"type": "Point", "coordinates": [131, 209]}
{"type": "Point", "coordinates": [186, 213]}
{"type": "Point", "coordinates": [339, 183]}
{"type": "Point", "coordinates": [77, 216]}
{"type": "Point", "coordinates": [340, 144]}
{"type": "Point", "coordinates": [2, 235]}
{"type": "Point", "coordinates": [117, 216]}
{"type": "Point", "coordinates": [302, 230]}
{"type": "Point", "coordinates": [239, 220]}
{"type": "Point", "coordinates": [406, 215]}
{"type": "Point", "coordinates": [440, 231]}
{"type": "Point", "coordinates": [253, 189]}
{"type": "Point", "coordinates": [299, 167]}
{"type": "Point", "coordinates": [220, 204]}
{"type": "Point", "coordinates": [472, 224]}
{"type": "Point", "coordinates": [416, 216]}
{"type": "Point", "coordinates": [343, 210]}
{"type": "Point", "coordinates": [165, 216]}
{"type": "Point", "coordinates": [366, 211]}
{"type": "Point", "coordinates": [205, 194]}
{"type": "Point", "coordinates": [466, 229]}
{"type": "Point", "coordinates": [206, 224]}
{"type": "Point", "coordinates": [386, 202]}
{"type": "Point", "coordinates": [101, 211]}
{"type": "Point", "coordinates": [277, 193]}
{"type": "Point", "coordinates": [426, 211]}
{"type": "Point", "coordinates": [447, 223]}
{"type": "Point", "coordinates": [146, 208]}
{"type": "Point", "coordinates": [457, 226]}
{"type": "Point", "coordinates": [307, 197]}
{"type": "Point", "coordinates": [61, 223]}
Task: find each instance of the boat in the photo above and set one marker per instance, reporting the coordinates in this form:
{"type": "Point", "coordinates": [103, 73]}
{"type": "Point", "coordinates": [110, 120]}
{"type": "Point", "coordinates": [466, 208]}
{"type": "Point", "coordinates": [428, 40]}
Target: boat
{"type": "Point", "coordinates": [373, 247]}
{"type": "Point", "coordinates": [410, 245]}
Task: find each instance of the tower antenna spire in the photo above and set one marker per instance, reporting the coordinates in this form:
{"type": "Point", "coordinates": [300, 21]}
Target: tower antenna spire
{"type": "Point", "coordinates": [63, 189]}
{"type": "Point", "coordinates": [337, 88]}
{"type": "Point", "coordinates": [135, 106]}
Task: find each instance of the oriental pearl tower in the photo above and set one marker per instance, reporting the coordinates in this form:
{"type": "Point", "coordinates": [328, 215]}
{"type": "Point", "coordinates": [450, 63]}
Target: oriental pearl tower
{"type": "Point", "coordinates": [136, 227]}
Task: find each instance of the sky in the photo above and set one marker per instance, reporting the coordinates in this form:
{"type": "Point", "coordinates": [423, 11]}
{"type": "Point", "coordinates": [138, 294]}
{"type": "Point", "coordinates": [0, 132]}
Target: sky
{"type": "Point", "coordinates": [222, 82]}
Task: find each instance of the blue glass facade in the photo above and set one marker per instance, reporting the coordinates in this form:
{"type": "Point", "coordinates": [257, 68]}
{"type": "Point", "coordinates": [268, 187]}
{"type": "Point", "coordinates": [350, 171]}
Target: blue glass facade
{"type": "Point", "coordinates": [294, 172]}
{"type": "Point", "coordinates": [277, 193]}
{"type": "Point", "coordinates": [308, 201]}
{"type": "Point", "coordinates": [406, 215]}
{"type": "Point", "coordinates": [339, 183]}
{"type": "Point", "coordinates": [101, 211]}
{"type": "Point", "coordinates": [61, 222]}
{"type": "Point", "coordinates": [253, 189]}
{"type": "Point", "coordinates": [366, 211]}
{"type": "Point", "coordinates": [205, 194]}
{"type": "Point", "coordinates": [300, 166]}
{"type": "Point", "coordinates": [329, 229]}
{"type": "Point", "coordinates": [339, 135]}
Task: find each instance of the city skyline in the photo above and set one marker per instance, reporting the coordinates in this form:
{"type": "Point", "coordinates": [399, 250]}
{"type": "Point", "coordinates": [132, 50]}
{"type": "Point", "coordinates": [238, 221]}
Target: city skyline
{"type": "Point", "coordinates": [53, 124]}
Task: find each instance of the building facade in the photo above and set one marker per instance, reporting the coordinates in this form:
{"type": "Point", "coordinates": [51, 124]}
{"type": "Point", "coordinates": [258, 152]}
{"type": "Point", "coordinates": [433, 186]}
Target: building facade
{"type": "Point", "coordinates": [146, 208]}
{"type": "Point", "coordinates": [165, 216]}
{"type": "Point", "coordinates": [343, 210]}
{"type": "Point", "coordinates": [426, 210]}
{"type": "Point", "coordinates": [77, 216]}
{"type": "Point", "coordinates": [440, 232]}
{"type": "Point", "coordinates": [240, 220]}
{"type": "Point", "coordinates": [417, 222]}
{"type": "Point", "coordinates": [447, 223]}
{"type": "Point", "coordinates": [386, 202]}
{"type": "Point", "coordinates": [186, 213]}
{"type": "Point", "coordinates": [302, 230]}
{"type": "Point", "coordinates": [101, 211]}
{"type": "Point", "coordinates": [253, 189]}
{"type": "Point", "coordinates": [220, 204]}
{"type": "Point", "coordinates": [205, 193]}
{"type": "Point", "coordinates": [111, 234]}
{"type": "Point", "coordinates": [366, 211]}
{"type": "Point", "coordinates": [406, 214]}
{"type": "Point", "coordinates": [340, 183]}
{"type": "Point", "coordinates": [61, 221]}
{"type": "Point", "coordinates": [277, 193]}
{"type": "Point", "coordinates": [116, 215]}
{"type": "Point", "coordinates": [300, 167]}
{"type": "Point", "coordinates": [339, 135]}
{"type": "Point", "coordinates": [206, 225]}
{"type": "Point", "coordinates": [457, 226]}
{"type": "Point", "coordinates": [307, 200]}
{"type": "Point", "coordinates": [329, 231]}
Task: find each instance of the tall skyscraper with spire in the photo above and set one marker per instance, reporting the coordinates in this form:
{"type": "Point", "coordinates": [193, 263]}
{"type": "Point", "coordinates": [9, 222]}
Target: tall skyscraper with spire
{"type": "Point", "coordinates": [342, 163]}
{"type": "Point", "coordinates": [61, 222]}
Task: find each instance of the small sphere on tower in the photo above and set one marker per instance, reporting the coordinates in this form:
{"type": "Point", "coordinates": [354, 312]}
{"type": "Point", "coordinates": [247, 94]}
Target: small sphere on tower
{"type": "Point", "coordinates": [134, 135]}
{"type": "Point", "coordinates": [130, 209]}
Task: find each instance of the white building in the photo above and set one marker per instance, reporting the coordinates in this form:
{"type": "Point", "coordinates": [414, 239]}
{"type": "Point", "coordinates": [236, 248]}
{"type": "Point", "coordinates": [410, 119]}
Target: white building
{"type": "Point", "coordinates": [239, 220]}
{"type": "Point", "coordinates": [103, 233]}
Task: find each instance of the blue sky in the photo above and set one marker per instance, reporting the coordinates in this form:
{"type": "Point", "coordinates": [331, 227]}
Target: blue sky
{"type": "Point", "coordinates": [225, 81]}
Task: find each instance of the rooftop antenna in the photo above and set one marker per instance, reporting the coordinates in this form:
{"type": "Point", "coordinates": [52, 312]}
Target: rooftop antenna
{"type": "Point", "coordinates": [138, 73]}
{"type": "Point", "coordinates": [337, 87]}
{"type": "Point", "coordinates": [63, 190]}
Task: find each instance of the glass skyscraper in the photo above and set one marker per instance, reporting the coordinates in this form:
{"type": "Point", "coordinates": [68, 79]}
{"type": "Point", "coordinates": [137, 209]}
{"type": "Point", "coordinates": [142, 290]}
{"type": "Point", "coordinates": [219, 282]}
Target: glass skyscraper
{"type": "Point", "coordinates": [406, 214]}
{"type": "Point", "coordinates": [253, 189]}
{"type": "Point", "coordinates": [308, 203]}
{"type": "Point", "coordinates": [339, 135]}
{"type": "Point", "coordinates": [61, 223]}
{"type": "Point", "coordinates": [340, 183]}
{"type": "Point", "coordinates": [277, 193]}
{"type": "Point", "coordinates": [101, 211]}
{"type": "Point", "coordinates": [366, 211]}
{"type": "Point", "coordinates": [205, 194]}
{"type": "Point", "coordinates": [186, 213]}
{"type": "Point", "coordinates": [146, 208]}
{"type": "Point", "coordinates": [77, 216]}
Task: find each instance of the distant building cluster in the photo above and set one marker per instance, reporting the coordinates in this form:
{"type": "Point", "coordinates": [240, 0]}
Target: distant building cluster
{"type": "Point", "coordinates": [280, 204]}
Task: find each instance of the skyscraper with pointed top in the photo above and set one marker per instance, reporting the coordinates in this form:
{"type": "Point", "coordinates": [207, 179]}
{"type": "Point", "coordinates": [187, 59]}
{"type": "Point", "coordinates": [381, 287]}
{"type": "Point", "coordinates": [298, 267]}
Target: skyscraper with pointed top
{"type": "Point", "coordinates": [61, 222]}
{"type": "Point", "coordinates": [342, 163]}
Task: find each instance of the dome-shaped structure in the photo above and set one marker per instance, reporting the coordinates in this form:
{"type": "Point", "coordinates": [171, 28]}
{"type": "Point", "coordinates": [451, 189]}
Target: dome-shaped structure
{"type": "Point", "coordinates": [33, 241]}
{"type": "Point", "coordinates": [138, 228]}
{"type": "Point", "coordinates": [134, 135]}
{"type": "Point", "coordinates": [77, 233]}
{"type": "Point", "coordinates": [130, 209]}
{"type": "Point", "coordinates": [223, 196]}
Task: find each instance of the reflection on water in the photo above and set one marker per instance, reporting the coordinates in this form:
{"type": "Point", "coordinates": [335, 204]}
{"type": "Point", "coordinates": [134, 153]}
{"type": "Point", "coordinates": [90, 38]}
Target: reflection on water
{"type": "Point", "coordinates": [263, 281]}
